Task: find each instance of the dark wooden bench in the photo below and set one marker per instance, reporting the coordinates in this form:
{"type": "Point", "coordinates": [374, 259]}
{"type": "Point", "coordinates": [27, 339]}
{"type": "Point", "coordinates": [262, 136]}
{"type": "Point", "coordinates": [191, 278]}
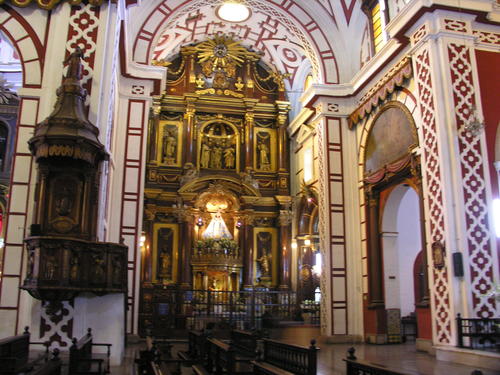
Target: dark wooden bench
{"type": "Point", "coordinates": [15, 357]}
{"type": "Point", "coordinates": [286, 359]}
{"type": "Point", "coordinates": [83, 362]}
{"type": "Point", "coordinates": [196, 347]}
{"type": "Point", "coordinates": [245, 343]}
{"type": "Point", "coordinates": [221, 359]}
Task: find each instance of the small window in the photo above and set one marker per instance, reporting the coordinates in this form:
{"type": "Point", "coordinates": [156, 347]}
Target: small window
{"type": "Point", "coordinates": [308, 164]}
{"type": "Point", "coordinates": [377, 12]}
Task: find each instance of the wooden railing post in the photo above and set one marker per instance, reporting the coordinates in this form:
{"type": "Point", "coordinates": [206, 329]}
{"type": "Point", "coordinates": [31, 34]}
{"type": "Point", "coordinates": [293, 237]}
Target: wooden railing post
{"type": "Point", "coordinates": [312, 358]}
{"type": "Point", "coordinates": [459, 331]}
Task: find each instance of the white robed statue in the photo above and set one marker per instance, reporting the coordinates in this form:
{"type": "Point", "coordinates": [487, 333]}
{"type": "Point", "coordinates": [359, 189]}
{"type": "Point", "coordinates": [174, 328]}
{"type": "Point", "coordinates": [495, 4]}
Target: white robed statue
{"type": "Point", "coordinates": [217, 228]}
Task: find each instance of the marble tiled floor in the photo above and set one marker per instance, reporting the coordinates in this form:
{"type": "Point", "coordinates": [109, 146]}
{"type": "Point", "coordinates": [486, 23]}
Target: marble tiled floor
{"type": "Point", "coordinates": [403, 357]}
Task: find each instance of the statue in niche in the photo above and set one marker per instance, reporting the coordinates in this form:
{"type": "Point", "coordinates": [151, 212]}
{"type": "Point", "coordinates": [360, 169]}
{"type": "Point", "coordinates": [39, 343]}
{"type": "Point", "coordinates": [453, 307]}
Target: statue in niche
{"type": "Point", "coordinates": [229, 157]}
{"type": "Point", "coordinates": [74, 267]}
{"type": "Point", "coordinates": [264, 243]}
{"type": "Point", "coordinates": [265, 263]}
{"type": "Point", "coordinates": [216, 158]}
{"type": "Point", "coordinates": [64, 201]}
{"type": "Point", "coordinates": [50, 265]}
{"type": "Point", "coordinates": [98, 273]}
{"type": "Point", "coordinates": [205, 154]}
{"type": "Point", "coordinates": [264, 157]}
{"type": "Point", "coordinates": [117, 270]}
{"type": "Point", "coordinates": [214, 285]}
{"type": "Point", "coordinates": [169, 146]}
{"type": "Point", "coordinates": [217, 228]}
{"type": "Point", "coordinates": [166, 262]}
{"type": "Point", "coordinates": [190, 173]}
{"type": "Point", "coordinates": [31, 264]}
{"type": "Point", "coordinates": [165, 257]}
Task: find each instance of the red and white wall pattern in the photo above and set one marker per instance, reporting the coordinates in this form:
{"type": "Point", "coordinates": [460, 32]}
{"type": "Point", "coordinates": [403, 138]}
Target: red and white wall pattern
{"type": "Point", "coordinates": [432, 177]}
{"type": "Point", "coordinates": [473, 173]}
{"type": "Point", "coordinates": [31, 52]}
{"type": "Point", "coordinates": [332, 226]}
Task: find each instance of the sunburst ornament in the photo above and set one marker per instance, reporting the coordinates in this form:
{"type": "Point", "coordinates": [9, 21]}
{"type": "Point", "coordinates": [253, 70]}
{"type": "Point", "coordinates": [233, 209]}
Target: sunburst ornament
{"type": "Point", "coordinates": [220, 53]}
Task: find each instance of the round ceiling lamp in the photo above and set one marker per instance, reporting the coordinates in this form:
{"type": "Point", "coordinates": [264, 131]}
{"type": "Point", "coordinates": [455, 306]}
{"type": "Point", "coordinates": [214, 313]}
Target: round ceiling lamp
{"type": "Point", "coordinates": [232, 11]}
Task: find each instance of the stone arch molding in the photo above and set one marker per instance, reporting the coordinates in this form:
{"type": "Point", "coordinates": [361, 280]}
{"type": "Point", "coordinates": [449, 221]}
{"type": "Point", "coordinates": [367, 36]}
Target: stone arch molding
{"type": "Point", "coordinates": [315, 44]}
{"type": "Point", "coordinates": [26, 42]}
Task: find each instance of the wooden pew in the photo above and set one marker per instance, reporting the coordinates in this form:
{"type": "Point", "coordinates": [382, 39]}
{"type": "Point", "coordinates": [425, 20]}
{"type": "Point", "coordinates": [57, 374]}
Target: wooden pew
{"type": "Point", "coordinates": [354, 367]}
{"type": "Point", "coordinates": [153, 361]}
{"type": "Point", "coordinates": [221, 359]}
{"type": "Point", "coordinates": [15, 357]}
{"type": "Point", "coordinates": [196, 347]}
{"type": "Point", "coordinates": [286, 359]}
{"type": "Point", "coordinates": [245, 344]}
{"type": "Point", "coordinates": [83, 362]}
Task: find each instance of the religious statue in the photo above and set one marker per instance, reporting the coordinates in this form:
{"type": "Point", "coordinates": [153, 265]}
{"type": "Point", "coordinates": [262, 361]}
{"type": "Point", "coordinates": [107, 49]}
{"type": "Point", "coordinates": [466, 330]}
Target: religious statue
{"type": "Point", "coordinates": [169, 146]}
{"type": "Point", "coordinates": [264, 264]}
{"type": "Point", "coordinates": [165, 262]}
{"type": "Point", "coordinates": [217, 227]}
{"type": "Point", "coordinates": [74, 269]}
{"type": "Point", "coordinates": [229, 157]}
{"type": "Point", "coordinates": [31, 265]}
{"type": "Point", "coordinates": [190, 173]}
{"type": "Point", "coordinates": [216, 158]}
{"type": "Point", "coordinates": [213, 285]}
{"type": "Point", "coordinates": [264, 161]}
{"type": "Point", "coordinates": [50, 266]}
{"type": "Point", "coordinates": [117, 270]}
{"type": "Point", "coordinates": [64, 202]}
{"type": "Point", "coordinates": [98, 273]}
{"type": "Point", "coordinates": [205, 154]}
{"type": "Point", "coordinates": [74, 62]}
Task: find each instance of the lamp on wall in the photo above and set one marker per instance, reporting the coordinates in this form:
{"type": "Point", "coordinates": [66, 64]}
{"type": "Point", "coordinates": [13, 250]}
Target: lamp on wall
{"type": "Point", "coordinates": [199, 222]}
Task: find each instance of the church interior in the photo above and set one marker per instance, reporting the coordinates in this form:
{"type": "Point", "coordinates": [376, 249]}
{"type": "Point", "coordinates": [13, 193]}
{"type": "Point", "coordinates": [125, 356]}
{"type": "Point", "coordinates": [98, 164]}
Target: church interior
{"type": "Point", "coordinates": [280, 178]}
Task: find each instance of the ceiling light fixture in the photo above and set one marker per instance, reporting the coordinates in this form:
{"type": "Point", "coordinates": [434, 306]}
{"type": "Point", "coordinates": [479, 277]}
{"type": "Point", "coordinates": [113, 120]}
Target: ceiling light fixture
{"type": "Point", "coordinates": [233, 11]}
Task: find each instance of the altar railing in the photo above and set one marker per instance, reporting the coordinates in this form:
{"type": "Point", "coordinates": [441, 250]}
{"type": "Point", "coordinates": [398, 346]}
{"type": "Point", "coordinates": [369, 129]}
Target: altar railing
{"type": "Point", "coordinates": [174, 309]}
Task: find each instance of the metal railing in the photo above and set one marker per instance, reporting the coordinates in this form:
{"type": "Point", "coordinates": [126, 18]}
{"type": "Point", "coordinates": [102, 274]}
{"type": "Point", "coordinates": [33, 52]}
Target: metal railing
{"type": "Point", "coordinates": [254, 309]}
{"type": "Point", "coordinates": [478, 333]}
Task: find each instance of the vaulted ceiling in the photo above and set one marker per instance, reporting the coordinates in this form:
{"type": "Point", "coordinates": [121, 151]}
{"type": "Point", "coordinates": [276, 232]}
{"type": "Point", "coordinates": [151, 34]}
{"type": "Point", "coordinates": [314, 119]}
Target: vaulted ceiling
{"type": "Point", "coordinates": [322, 37]}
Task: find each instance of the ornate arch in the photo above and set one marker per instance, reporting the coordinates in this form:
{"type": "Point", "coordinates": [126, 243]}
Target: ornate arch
{"type": "Point", "coordinates": [26, 42]}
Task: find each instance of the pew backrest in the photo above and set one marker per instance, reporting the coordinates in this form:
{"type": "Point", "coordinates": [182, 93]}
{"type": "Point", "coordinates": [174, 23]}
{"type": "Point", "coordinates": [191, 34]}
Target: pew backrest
{"type": "Point", "coordinates": [297, 359]}
{"type": "Point", "coordinates": [244, 342]}
{"type": "Point", "coordinates": [14, 353]}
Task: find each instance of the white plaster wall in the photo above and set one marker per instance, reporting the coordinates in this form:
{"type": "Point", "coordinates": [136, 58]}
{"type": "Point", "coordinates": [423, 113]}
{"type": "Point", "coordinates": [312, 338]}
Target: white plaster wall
{"type": "Point", "coordinates": [409, 245]}
{"type": "Point", "coordinates": [106, 316]}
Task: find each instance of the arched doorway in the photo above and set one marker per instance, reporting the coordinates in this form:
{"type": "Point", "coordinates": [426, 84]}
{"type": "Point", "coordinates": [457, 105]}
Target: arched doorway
{"type": "Point", "coordinates": [401, 242]}
{"type": "Point", "coordinates": [392, 185]}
